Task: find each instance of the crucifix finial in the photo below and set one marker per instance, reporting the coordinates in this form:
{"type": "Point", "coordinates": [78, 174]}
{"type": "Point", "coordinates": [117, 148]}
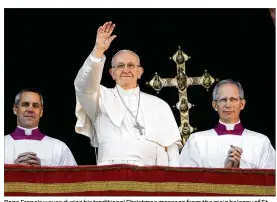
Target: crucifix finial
{"type": "Point", "coordinates": [182, 82]}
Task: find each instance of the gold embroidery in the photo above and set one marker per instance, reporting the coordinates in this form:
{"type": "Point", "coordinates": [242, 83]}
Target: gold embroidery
{"type": "Point", "coordinates": [140, 187]}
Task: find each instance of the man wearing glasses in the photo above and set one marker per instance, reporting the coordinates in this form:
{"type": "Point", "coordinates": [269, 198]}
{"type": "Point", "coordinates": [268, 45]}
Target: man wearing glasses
{"type": "Point", "coordinates": [126, 125]}
{"type": "Point", "coordinates": [229, 144]}
{"type": "Point", "coordinates": [26, 145]}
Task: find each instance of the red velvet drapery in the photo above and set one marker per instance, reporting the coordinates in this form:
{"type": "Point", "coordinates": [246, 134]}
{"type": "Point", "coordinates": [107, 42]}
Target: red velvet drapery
{"type": "Point", "coordinates": [126, 180]}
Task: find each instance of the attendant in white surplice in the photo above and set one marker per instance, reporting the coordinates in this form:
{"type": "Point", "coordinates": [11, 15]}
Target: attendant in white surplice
{"type": "Point", "coordinates": [229, 144]}
{"type": "Point", "coordinates": [127, 125]}
{"type": "Point", "coordinates": [26, 144]}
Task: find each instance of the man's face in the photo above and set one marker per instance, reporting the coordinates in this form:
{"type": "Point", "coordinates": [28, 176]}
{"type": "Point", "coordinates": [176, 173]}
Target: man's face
{"type": "Point", "coordinates": [28, 110]}
{"type": "Point", "coordinates": [228, 103]}
{"type": "Point", "coordinates": [126, 70]}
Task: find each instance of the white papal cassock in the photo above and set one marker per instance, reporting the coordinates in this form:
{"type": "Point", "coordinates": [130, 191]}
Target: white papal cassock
{"type": "Point", "coordinates": [210, 148]}
{"type": "Point", "coordinates": [50, 151]}
{"type": "Point", "coordinates": [104, 118]}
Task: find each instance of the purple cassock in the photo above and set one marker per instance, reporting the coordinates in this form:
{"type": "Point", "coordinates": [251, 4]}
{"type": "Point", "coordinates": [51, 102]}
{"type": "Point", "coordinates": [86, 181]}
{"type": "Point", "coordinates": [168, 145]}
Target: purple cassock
{"type": "Point", "coordinates": [19, 134]}
{"type": "Point", "coordinates": [221, 129]}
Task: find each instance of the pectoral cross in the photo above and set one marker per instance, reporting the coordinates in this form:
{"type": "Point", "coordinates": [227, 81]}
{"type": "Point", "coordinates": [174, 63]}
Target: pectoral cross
{"type": "Point", "coordinates": [139, 127]}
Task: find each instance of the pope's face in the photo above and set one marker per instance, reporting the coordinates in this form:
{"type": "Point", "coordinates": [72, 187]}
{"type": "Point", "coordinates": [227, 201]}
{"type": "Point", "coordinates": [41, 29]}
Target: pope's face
{"type": "Point", "coordinates": [126, 70]}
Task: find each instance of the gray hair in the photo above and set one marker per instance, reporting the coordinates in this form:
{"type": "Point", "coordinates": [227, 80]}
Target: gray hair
{"type": "Point", "coordinates": [124, 51]}
{"type": "Point", "coordinates": [18, 95]}
{"type": "Point", "coordinates": [227, 81]}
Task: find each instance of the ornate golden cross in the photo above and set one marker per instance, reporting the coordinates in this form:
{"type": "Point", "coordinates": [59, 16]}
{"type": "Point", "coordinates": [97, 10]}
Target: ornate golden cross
{"type": "Point", "coordinates": [182, 82]}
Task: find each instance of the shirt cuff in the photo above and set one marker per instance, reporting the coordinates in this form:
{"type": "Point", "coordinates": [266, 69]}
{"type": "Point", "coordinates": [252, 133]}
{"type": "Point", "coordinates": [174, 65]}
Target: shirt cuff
{"type": "Point", "coordinates": [96, 60]}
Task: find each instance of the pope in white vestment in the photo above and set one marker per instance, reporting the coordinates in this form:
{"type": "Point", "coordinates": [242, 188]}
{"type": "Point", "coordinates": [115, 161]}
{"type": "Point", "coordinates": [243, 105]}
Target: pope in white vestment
{"type": "Point", "coordinates": [229, 144]}
{"type": "Point", "coordinates": [126, 125]}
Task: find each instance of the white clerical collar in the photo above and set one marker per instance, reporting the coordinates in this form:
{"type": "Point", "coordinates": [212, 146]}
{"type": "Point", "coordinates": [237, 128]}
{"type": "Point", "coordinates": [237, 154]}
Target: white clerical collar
{"type": "Point", "coordinates": [229, 126]}
{"type": "Point", "coordinates": [28, 131]}
{"type": "Point", "coordinates": [128, 92]}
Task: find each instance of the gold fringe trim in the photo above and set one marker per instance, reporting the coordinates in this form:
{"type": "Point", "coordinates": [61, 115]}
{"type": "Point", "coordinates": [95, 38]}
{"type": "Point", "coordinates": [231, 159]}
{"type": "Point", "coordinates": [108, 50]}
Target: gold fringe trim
{"type": "Point", "coordinates": [140, 187]}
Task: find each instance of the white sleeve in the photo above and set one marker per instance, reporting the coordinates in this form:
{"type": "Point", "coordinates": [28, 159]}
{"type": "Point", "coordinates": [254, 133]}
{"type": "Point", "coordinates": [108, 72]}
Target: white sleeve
{"type": "Point", "coordinates": [67, 158]}
{"type": "Point", "coordinates": [96, 60]}
{"type": "Point", "coordinates": [173, 155]}
{"type": "Point", "coordinates": [190, 155]}
{"type": "Point", "coordinates": [268, 156]}
{"type": "Point", "coordinates": [87, 87]}
{"type": "Point", "coordinates": [89, 76]}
